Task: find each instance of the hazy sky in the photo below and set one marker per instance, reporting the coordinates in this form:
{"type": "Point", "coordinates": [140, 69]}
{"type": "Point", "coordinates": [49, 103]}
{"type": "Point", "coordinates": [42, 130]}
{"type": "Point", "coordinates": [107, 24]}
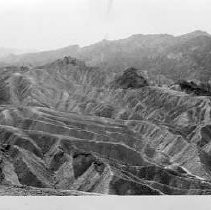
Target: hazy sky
{"type": "Point", "coordinates": [49, 24]}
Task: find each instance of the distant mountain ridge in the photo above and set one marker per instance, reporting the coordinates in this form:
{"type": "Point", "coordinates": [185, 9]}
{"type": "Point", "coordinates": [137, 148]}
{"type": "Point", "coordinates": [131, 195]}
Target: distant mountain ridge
{"type": "Point", "coordinates": [176, 57]}
{"type": "Point", "coordinates": [4, 52]}
{"type": "Point", "coordinates": [39, 58]}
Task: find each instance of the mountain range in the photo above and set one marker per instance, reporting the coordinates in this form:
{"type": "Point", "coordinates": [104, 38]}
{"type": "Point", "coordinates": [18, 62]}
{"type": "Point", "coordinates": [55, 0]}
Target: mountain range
{"type": "Point", "coordinates": [175, 57]}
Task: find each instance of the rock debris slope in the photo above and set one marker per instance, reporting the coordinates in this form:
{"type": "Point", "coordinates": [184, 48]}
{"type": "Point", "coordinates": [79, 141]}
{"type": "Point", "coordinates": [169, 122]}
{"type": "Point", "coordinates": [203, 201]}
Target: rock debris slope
{"type": "Point", "coordinates": [69, 129]}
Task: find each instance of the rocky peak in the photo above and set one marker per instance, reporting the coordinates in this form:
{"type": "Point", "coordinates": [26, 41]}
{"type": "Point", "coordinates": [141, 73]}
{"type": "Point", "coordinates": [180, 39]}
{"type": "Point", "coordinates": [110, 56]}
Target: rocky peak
{"type": "Point", "coordinates": [130, 78]}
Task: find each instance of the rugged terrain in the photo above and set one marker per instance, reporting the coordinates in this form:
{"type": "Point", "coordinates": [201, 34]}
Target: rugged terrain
{"type": "Point", "coordinates": [70, 129]}
{"type": "Point", "coordinates": [118, 121]}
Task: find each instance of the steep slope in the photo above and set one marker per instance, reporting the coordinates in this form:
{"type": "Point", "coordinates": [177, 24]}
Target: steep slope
{"type": "Point", "coordinates": [67, 130]}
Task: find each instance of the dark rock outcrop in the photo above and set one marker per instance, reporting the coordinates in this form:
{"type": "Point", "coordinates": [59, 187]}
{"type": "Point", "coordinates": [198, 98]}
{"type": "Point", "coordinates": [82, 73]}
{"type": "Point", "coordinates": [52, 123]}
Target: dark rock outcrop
{"type": "Point", "coordinates": [130, 79]}
{"type": "Point", "coordinates": [201, 89]}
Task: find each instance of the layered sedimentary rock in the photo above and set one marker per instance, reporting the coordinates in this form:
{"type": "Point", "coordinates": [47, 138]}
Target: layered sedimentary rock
{"type": "Point", "coordinates": [65, 130]}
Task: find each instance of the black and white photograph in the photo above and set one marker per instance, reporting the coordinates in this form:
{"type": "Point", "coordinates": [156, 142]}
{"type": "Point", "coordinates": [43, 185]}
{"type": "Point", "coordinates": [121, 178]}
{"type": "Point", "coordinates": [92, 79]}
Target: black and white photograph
{"type": "Point", "coordinates": [105, 99]}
